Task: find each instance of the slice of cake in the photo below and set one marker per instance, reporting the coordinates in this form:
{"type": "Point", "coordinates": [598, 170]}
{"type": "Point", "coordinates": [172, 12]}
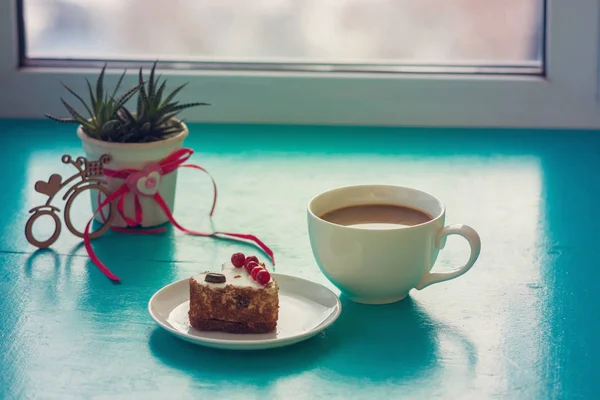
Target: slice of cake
{"type": "Point", "coordinates": [242, 298]}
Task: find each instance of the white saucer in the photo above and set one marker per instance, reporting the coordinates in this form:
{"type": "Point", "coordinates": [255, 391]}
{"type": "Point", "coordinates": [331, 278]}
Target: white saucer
{"type": "Point", "coordinates": [306, 308]}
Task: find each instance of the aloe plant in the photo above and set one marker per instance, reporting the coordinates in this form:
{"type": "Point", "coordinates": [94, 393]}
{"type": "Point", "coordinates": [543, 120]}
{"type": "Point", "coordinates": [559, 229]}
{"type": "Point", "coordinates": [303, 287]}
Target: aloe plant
{"type": "Point", "coordinates": [110, 120]}
{"type": "Point", "coordinates": [102, 109]}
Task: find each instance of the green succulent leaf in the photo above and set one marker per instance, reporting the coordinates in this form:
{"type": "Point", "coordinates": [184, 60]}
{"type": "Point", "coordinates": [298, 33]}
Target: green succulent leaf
{"type": "Point", "coordinates": [173, 130]}
{"type": "Point", "coordinates": [126, 96]}
{"type": "Point", "coordinates": [104, 112]}
{"type": "Point", "coordinates": [78, 97]}
{"type": "Point", "coordinates": [80, 118]}
{"type": "Point", "coordinates": [110, 126]}
{"type": "Point", "coordinates": [118, 85]}
{"type": "Point", "coordinates": [62, 120]}
{"type": "Point", "coordinates": [125, 115]}
{"type": "Point", "coordinates": [159, 94]}
{"type": "Point", "coordinates": [146, 127]}
{"type": "Point", "coordinates": [173, 94]}
{"type": "Point", "coordinates": [166, 118]}
{"type": "Point", "coordinates": [151, 83]}
{"type": "Point", "coordinates": [92, 97]}
{"type": "Point", "coordinates": [100, 84]}
{"type": "Point", "coordinates": [142, 96]}
{"type": "Point", "coordinates": [180, 107]}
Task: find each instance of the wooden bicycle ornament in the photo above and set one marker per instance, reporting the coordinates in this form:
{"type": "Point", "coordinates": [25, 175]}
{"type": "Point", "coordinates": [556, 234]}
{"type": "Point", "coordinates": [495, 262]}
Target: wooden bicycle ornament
{"type": "Point", "coordinates": [88, 177]}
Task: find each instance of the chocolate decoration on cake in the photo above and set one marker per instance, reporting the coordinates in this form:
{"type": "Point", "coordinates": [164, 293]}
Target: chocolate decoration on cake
{"type": "Point", "coordinates": [212, 277]}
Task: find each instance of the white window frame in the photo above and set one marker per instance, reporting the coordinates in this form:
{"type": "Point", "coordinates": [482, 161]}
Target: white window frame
{"type": "Point", "coordinates": [566, 97]}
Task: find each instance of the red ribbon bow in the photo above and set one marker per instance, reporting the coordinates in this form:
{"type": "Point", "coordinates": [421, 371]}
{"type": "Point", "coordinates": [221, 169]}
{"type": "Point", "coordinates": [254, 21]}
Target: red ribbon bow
{"type": "Point", "coordinates": [149, 178]}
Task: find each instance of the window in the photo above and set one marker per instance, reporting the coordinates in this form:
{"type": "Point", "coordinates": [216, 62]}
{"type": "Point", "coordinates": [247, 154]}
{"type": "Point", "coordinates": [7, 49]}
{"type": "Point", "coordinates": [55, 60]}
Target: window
{"type": "Point", "coordinates": [382, 62]}
{"type": "Point", "coordinates": [364, 34]}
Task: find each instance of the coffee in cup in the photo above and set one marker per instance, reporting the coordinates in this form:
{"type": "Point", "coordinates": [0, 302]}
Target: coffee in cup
{"type": "Point", "coordinates": [377, 242]}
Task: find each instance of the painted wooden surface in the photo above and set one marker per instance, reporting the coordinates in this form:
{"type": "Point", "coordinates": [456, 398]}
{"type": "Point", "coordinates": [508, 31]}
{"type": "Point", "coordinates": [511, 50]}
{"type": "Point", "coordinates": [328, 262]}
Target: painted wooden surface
{"type": "Point", "coordinates": [523, 323]}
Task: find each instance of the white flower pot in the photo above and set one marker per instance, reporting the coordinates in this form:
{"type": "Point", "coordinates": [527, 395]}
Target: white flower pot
{"type": "Point", "coordinates": [135, 156]}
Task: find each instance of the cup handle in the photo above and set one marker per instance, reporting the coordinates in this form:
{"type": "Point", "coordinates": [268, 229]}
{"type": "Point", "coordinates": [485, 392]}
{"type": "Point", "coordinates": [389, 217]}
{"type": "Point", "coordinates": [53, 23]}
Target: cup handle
{"type": "Point", "coordinates": [440, 241]}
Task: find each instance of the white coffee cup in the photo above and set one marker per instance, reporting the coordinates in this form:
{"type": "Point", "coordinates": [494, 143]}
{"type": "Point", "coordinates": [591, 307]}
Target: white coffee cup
{"type": "Point", "coordinates": [380, 266]}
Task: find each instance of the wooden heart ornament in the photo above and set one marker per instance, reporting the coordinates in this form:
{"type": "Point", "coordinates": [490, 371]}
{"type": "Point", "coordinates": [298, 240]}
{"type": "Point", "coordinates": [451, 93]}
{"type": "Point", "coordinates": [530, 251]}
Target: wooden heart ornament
{"type": "Point", "coordinates": [145, 182]}
{"type": "Point", "coordinates": [49, 188]}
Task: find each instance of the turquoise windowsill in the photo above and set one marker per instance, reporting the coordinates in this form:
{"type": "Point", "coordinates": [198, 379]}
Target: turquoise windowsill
{"type": "Point", "coordinates": [523, 323]}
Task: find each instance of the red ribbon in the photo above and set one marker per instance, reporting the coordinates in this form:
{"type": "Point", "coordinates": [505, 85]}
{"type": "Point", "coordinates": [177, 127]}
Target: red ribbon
{"type": "Point", "coordinates": [166, 166]}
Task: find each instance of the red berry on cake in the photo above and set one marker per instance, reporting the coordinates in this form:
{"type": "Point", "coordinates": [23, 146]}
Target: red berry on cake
{"type": "Point", "coordinates": [255, 271]}
{"type": "Point", "coordinates": [263, 277]}
{"type": "Point", "coordinates": [251, 258]}
{"type": "Point", "coordinates": [250, 265]}
{"type": "Point", "coordinates": [238, 260]}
